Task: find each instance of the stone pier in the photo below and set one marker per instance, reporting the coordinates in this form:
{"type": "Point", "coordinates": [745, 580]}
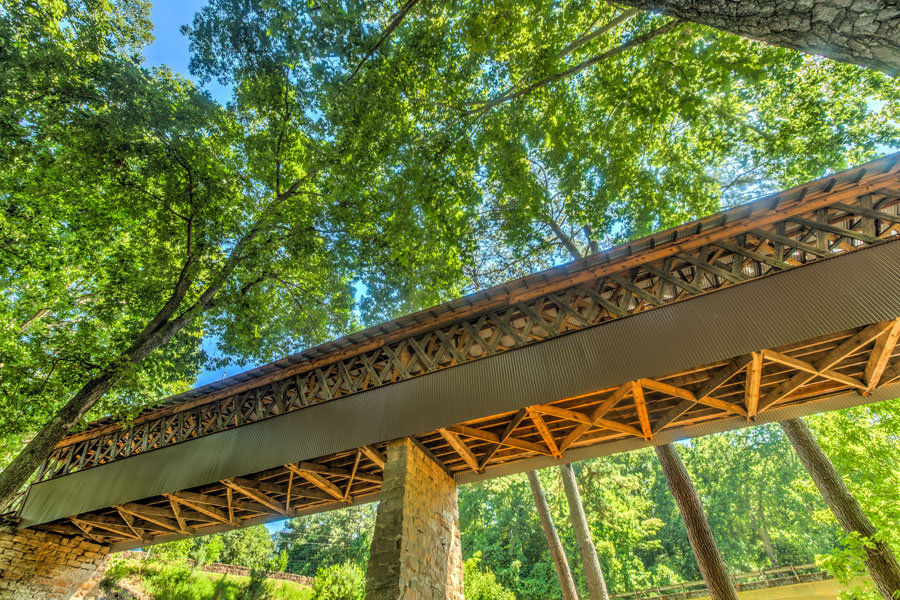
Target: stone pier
{"type": "Point", "coordinates": [35, 565]}
{"type": "Point", "coordinates": [415, 552]}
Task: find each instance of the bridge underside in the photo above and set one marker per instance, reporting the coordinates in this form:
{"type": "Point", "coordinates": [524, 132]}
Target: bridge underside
{"type": "Point", "coordinates": [778, 309]}
{"type": "Point", "coordinates": [756, 379]}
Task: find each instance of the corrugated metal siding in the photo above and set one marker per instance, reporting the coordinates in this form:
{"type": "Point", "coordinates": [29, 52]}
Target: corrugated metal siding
{"type": "Point", "coordinates": [824, 297]}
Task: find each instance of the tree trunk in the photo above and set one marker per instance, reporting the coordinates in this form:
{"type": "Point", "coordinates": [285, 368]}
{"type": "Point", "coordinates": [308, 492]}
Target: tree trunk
{"type": "Point", "coordinates": [712, 567]}
{"type": "Point", "coordinates": [862, 33]}
{"type": "Point", "coordinates": [586, 548]}
{"type": "Point", "coordinates": [880, 560]}
{"type": "Point", "coordinates": [556, 550]}
{"type": "Point", "coordinates": [767, 544]}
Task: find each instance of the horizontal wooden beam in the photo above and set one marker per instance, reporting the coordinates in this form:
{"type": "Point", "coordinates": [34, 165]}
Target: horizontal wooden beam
{"type": "Point", "coordinates": [684, 394]}
{"type": "Point", "coordinates": [802, 365]}
{"type": "Point", "coordinates": [153, 515]}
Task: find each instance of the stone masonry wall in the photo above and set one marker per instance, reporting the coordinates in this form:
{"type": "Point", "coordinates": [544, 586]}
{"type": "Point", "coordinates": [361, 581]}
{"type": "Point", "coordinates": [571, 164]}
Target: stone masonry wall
{"type": "Point", "coordinates": [415, 552]}
{"type": "Point", "coordinates": [35, 565]}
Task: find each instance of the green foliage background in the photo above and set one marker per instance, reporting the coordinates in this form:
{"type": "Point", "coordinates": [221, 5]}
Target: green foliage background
{"type": "Point", "coordinates": [341, 186]}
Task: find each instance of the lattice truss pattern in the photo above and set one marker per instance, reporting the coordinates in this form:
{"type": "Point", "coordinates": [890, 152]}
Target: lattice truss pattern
{"type": "Point", "coordinates": [671, 273]}
{"type": "Point", "coordinates": [860, 359]}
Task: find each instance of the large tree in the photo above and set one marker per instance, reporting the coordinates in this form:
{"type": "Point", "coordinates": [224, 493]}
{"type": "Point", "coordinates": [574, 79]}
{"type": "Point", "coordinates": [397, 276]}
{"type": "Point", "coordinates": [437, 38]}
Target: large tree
{"type": "Point", "coordinates": [560, 561]}
{"type": "Point", "coordinates": [880, 560]}
{"type": "Point", "coordinates": [575, 117]}
{"type": "Point", "coordinates": [586, 548]}
{"type": "Point", "coordinates": [138, 217]}
{"type": "Point", "coordinates": [863, 33]}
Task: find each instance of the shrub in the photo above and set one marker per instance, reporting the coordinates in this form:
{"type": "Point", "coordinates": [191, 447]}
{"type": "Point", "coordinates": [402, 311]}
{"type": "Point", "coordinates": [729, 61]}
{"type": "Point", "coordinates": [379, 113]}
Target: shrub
{"type": "Point", "coordinates": [481, 584]}
{"type": "Point", "coordinates": [340, 582]}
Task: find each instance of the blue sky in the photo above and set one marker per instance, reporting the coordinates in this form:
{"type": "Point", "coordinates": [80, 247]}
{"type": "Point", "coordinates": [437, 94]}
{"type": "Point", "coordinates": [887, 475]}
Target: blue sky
{"type": "Point", "coordinates": [170, 47]}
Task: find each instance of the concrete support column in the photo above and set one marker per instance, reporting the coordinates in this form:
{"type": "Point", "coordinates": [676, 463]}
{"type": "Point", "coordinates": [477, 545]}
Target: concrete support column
{"type": "Point", "coordinates": [36, 565]}
{"type": "Point", "coordinates": [415, 552]}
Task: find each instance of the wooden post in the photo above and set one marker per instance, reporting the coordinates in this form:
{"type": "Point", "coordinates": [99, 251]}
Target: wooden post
{"type": "Point", "coordinates": [715, 574]}
{"type": "Point", "coordinates": [592, 571]}
{"type": "Point", "coordinates": [556, 550]}
{"type": "Point", "coordinates": [880, 560]}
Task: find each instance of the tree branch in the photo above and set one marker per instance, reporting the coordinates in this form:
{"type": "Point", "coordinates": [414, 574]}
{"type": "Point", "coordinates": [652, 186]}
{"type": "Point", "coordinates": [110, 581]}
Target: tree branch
{"type": "Point", "coordinates": [563, 238]}
{"type": "Point", "coordinates": [511, 94]}
{"type": "Point", "coordinates": [398, 18]}
{"type": "Point", "coordinates": [581, 41]}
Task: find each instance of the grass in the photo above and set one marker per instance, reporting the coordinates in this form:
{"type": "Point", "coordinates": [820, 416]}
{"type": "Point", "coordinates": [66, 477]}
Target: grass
{"type": "Point", "coordinates": [167, 581]}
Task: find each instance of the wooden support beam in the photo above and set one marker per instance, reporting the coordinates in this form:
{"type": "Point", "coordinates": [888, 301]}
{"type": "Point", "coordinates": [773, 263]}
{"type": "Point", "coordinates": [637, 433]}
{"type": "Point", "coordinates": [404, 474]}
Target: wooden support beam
{"type": "Point", "coordinates": [85, 529]}
{"type": "Point", "coordinates": [891, 373]}
{"type": "Point", "coordinates": [121, 529]}
{"type": "Point", "coordinates": [287, 500]}
{"type": "Point", "coordinates": [562, 413]}
{"type": "Point", "coordinates": [176, 510]}
{"type": "Point", "coordinates": [620, 427]}
{"type": "Point", "coordinates": [684, 394]}
{"type": "Point", "coordinates": [542, 428]}
{"type": "Point", "coordinates": [186, 499]}
{"type": "Point", "coordinates": [129, 521]}
{"type": "Point", "coordinates": [461, 449]}
{"type": "Point", "coordinates": [665, 388]}
{"type": "Point", "coordinates": [751, 385]}
{"type": "Point", "coordinates": [350, 481]}
{"type": "Point", "coordinates": [881, 356]}
{"type": "Point", "coordinates": [373, 454]}
{"type": "Point", "coordinates": [802, 365]}
{"type": "Point", "coordinates": [146, 513]}
{"type": "Point", "coordinates": [254, 491]}
{"type": "Point", "coordinates": [672, 414]}
{"type": "Point", "coordinates": [826, 363]}
{"type": "Point", "coordinates": [317, 480]}
{"type": "Point", "coordinates": [510, 427]}
{"type": "Point", "coordinates": [597, 416]}
{"type": "Point", "coordinates": [640, 405]}
{"type": "Point", "coordinates": [724, 375]}
{"type": "Point", "coordinates": [335, 472]}
{"type": "Point", "coordinates": [510, 441]}
{"type": "Point", "coordinates": [217, 501]}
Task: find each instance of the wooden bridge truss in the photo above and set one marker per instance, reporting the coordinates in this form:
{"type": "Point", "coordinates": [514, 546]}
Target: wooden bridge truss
{"type": "Point", "coordinates": [745, 387]}
{"type": "Point", "coordinates": [828, 218]}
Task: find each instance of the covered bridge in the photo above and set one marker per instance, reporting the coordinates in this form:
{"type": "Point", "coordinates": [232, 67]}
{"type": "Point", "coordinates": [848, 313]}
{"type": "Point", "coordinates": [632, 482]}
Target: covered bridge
{"type": "Point", "coordinates": [779, 308]}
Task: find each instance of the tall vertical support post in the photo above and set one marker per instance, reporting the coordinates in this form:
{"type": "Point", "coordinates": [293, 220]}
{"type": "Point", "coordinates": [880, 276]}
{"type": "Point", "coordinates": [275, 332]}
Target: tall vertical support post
{"type": "Point", "coordinates": [709, 559]}
{"type": "Point", "coordinates": [415, 551]}
{"type": "Point", "coordinates": [563, 573]}
{"type": "Point", "coordinates": [880, 560]}
{"type": "Point", "coordinates": [592, 571]}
